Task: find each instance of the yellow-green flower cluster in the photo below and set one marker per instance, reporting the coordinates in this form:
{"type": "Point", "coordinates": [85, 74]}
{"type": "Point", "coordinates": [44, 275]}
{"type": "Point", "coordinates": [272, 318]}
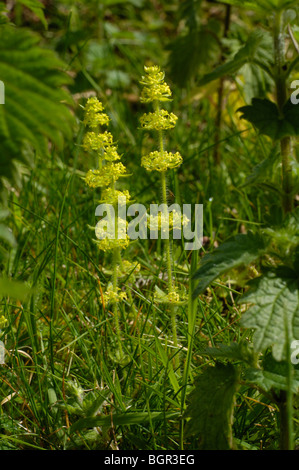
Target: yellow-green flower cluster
{"type": "Point", "coordinates": [154, 86]}
{"type": "Point", "coordinates": [113, 296]}
{"type": "Point", "coordinates": [161, 161]}
{"type": "Point", "coordinates": [109, 171]}
{"type": "Point", "coordinates": [3, 321]}
{"type": "Point", "coordinates": [156, 90]}
{"type": "Point", "coordinates": [168, 221]}
{"type": "Point", "coordinates": [94, 116]}
{"type": "Point", "coordinates": [102, 143]}
{"type": "Point", "coordinates": [159, 120]}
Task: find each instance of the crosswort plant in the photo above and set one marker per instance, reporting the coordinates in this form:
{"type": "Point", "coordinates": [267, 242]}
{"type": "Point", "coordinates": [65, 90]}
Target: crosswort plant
{"type": "Point", "coordinates": [109, 170]}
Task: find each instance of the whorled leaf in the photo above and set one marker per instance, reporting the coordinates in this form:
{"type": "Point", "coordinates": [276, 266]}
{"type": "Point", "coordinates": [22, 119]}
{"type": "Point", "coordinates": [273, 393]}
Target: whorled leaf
{"type": "Point", "coordinates": [210, 407]}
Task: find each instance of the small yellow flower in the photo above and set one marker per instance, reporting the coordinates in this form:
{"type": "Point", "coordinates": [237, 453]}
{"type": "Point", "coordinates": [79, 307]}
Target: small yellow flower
{"type": "Point", "coordinates": [128, 269]}
{"type": "Point", "coordinates": [110, 296]}
{"type": "Point", "coordinates": [93, 115]}
{"type": "Point", "coordinates": [98, 142]}
{"type": "Point", "coordinates": [104, 177]}
{"type": "Point", "coordinates": [169, 221]}
{"type": "Point", "coordinates": [159, 120]}
{"type": "Point", "coordinates": [173, 297]}
{"type": "Point", "coordinates": [110, 154]}
{"type": "Point", "coordinates": [161, 161]}
{"type": "Point", "coordinates": [3, 321]}
{"type": "Point", "coordinates": [154, 86]}
{"type": "Point", "coordinates": [111, 196]}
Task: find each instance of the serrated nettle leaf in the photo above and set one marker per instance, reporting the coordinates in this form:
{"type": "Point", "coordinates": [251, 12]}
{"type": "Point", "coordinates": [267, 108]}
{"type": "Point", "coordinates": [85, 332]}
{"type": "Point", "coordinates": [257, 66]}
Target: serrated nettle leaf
{"type": "Point", "coordinates": [37, 8]}
{"type": "Point", "coordinates": [36, 108]}
{"type": "Point", "coordinates": [258, 46]}
{"type": "Point", "coordinates": [264, 168]}
{"type": "Point", "coordinates": [264, 115]}
{"type": "Point", "coordinates": [189, 52]}
{"type": "Point", "coordinates": [241, 249]}
{"type": "Point", "coordinates": [274, 314]}
{"type": "Point", "coordinates": [263, 6]}
{"type": "Point", "coordinates": [235, 351]}
{"type": "Point", "coordinates": [268, 380]}
{"type": "Point", "coordinates": [210, 407]}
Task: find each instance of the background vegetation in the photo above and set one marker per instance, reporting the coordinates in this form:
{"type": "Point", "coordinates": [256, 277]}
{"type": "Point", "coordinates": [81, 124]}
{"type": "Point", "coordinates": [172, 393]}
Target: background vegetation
{"type": "Point", "coordinates": [62, 383]}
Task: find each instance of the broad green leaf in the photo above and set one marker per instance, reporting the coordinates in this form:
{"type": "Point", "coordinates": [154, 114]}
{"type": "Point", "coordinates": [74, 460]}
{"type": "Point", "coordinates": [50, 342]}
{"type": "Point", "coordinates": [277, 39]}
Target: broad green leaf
{"type": "Point", "coordinates": [274, 314]}
{"type": "Point", "coordinates": [189, 53]}
{"type": "Point", "coordinates": [210, 407]}
{"type": "Point", "coordinates": [263, 6]}
{"type": "Point", "coordinates": [36, 108]}
{"type": "Point", "coordinates": [256, 47]}
{"type": "Point", "coordinates": [241, 249]}
{"type": "Point", "coordinates": [38, 9]}
{"type": "Point", "coordinates": [7, 235]}
{"type": "Point", "coordinates": [125, 419]}
{"type": "Point", "coordinates": [265, 167]}
{"type": "Point", "coordinates": [15, 289]}
{"type": "Point", "coordinates": [234, 351]}
{"type": "Point", "coordinates": [268, 380]}
{"type": "Point", "coordinates": [264, 115]}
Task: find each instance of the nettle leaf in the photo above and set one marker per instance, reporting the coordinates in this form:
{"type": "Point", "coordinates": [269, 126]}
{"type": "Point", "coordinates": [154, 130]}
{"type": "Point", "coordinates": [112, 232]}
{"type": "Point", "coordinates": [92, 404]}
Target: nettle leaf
{"type": "Point", "coordinates": [258, 46]}
{"type": "Point", "coordinates": [242, 249]}
{"type": "Point", "coordinates": [274, 314]}
{"type": "Point", "coordinates": [267, 380]}
{"type": "Point", "coordinates": [210, 407]}
{"type": "Point", "coordinates": [273, 375]}
{"type": "Point", "coordinates": [189, 52]}
{"type": "Point", "coordinates": [263, 5]}
{"type": "Point", "coordinates": [37, 8]}
{"type": "Point", "coordinates": [241, 352]}
{"type": "Point", "coordinates": [264, 115]}
{"type": "Point", "coordinates": [263, 169]}
{"type": "Point", "coordinates": [36, 109]}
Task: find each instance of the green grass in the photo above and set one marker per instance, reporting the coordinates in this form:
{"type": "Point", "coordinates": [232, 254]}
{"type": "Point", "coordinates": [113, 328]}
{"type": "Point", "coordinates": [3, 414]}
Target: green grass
{"type": "Point", "coordinates": [63, 385]}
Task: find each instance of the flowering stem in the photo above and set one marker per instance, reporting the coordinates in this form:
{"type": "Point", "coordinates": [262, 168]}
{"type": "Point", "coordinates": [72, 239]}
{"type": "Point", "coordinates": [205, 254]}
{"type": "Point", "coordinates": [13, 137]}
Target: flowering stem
{"type": "Point", "coordinates": [115, 306]}
{"type": "Point", "coordinates": [167, 243]}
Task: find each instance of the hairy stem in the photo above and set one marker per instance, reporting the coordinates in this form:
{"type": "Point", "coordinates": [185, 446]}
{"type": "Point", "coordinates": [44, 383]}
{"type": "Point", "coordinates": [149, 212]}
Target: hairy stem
{"type": "Point", "coordinates": [281, 97]}
{"type": "Point", "coordinates": [168, 247]}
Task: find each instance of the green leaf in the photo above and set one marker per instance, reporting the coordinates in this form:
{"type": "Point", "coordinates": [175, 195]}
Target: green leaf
{"type": "Point", "coordinates": [125, 419]}
{"type": "Point", "coordinates": [263, 6]}
{"type": "Point", "coordinates": [256, 47]}
{"type": "Point", "coordinates": [234, 351]}
{"type": "Point", "coordinates": [37, 8]}
{"type": "Point", "coordinates": [189, 52]}
{"type": "Point", "coordinates": [274, 314]}
{"type": "Point", "coordinates": [264, 115]}
{"type": "Point", "coordinates": [36, 103]}
{"type": "Point", "coordinates": [264, 168]}
{"type": "Point", "coordinates": [10, 288]}
{"type": "Point", "coordinates": [210, 407]}
{"type": "Point", "coordinates": [7, 235]}
{"type": "Point", "coordinates": [268, 380]}
{"type": "Point", "coordinates": [241, 249]}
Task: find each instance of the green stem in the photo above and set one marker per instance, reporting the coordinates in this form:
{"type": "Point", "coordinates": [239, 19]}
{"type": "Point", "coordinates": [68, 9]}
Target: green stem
{"type": "Point", "coordinates": [168, 247]}
{"type": "Point", "coordinates": [281, 97]}
{"type": "Point", "coordinates": [115, 305]}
